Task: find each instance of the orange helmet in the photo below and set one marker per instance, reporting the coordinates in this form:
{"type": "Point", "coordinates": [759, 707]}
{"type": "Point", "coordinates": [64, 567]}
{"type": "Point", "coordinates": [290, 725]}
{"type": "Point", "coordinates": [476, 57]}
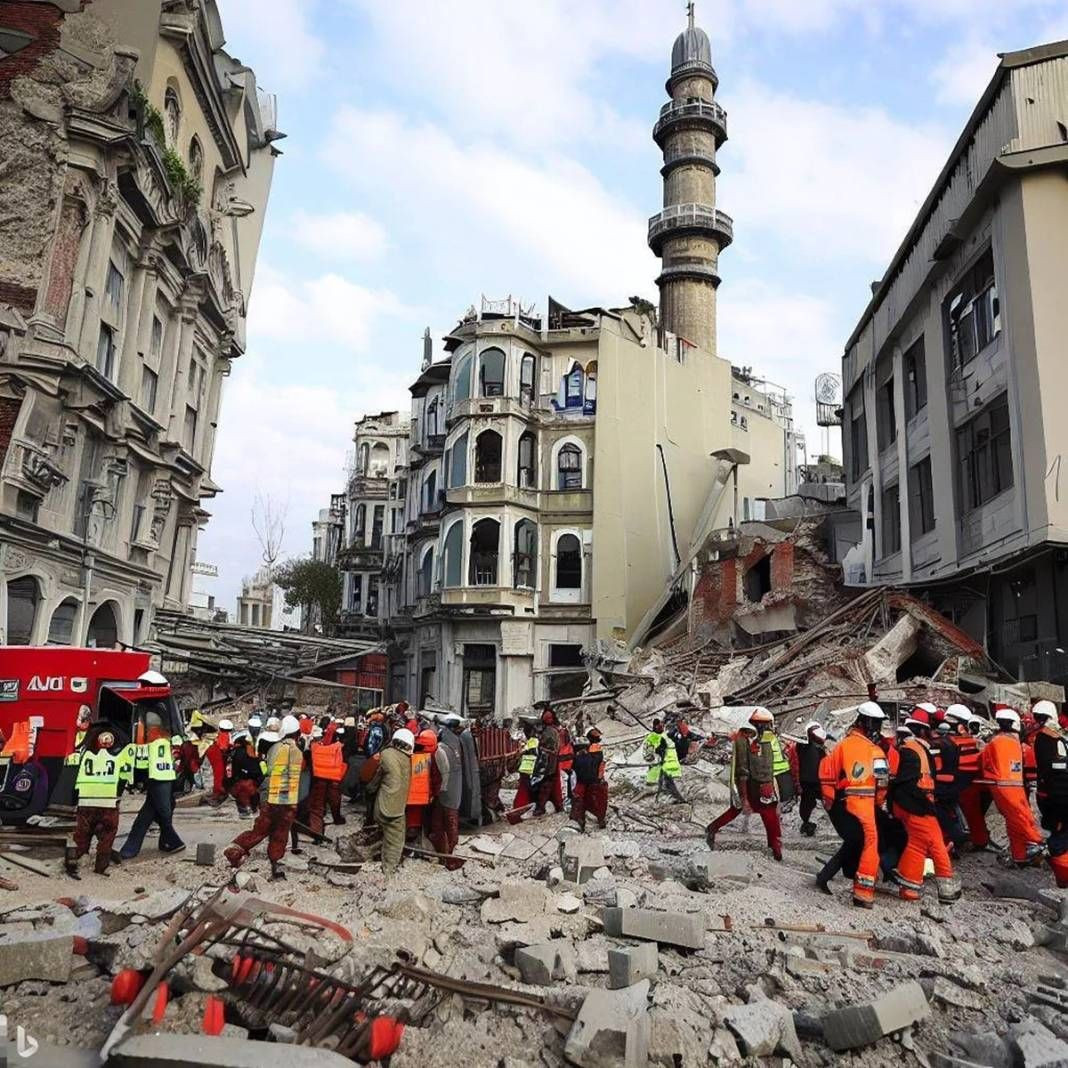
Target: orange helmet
{"type": "Point", "coordinates": [427, 740]}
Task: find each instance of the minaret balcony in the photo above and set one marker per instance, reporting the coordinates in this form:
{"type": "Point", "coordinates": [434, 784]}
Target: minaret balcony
{"type": "Point", "coordinates": [684, 113]}
{"type": "Point", "coordinates": [679, 219]}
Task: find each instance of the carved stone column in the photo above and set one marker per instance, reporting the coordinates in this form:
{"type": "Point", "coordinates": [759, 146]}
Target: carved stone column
{"type": "Point", "coordinates": [96, 269]}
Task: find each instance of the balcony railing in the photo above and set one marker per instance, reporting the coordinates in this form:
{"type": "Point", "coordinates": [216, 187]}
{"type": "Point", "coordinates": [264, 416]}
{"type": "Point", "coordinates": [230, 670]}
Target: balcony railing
{"type": "Point", "coordinates": [680, 217]}
{"type": "Point", "coordinates": [678, 111]}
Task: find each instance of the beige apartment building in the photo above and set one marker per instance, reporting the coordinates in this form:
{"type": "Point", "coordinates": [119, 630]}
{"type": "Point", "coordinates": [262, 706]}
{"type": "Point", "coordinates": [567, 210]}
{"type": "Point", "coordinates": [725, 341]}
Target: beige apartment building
{"type": "Point", "coordinates": [137, 160]}
{"type": "Point", "coordinates": [955, 377]}
{"type": "Point", "coordinates": [560, 466]}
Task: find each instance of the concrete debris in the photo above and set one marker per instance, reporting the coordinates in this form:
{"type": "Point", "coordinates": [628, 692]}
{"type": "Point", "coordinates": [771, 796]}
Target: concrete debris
{"type": "Point", "coordinates": [580, 858]}
{"type": "Point", "coordinates": [1037, 1045]}
{"type": "Point", "coordinates": [764, 1028]}
{"type": "Point", "coordinates": [630, 964]}
{"type": "Point", "coordinates": [205, 854]}
{"type": "Point", "coordinates": [612, 1029]}
{"type": "Point", "coordinates": [914, 942]}
{"type": "Point", "coordinates": [985, 1048]}
{"type": "Point", "coordinates": [671, 928]}
{"type": "Point", "coordinates": [861, 1025]}
{"type": "Point", "coordinates": [1015, 934]}
{"type": "Point", "coordinates": [46, 958]}
{"type": "Point", "coordinates": [541, 965]}
{"type": "Point", "coordinates": [946, 991]}
{"type": "Point", "coordinates": [516, 901]}
{"type": "Point", "coordinates": [178, 1051]}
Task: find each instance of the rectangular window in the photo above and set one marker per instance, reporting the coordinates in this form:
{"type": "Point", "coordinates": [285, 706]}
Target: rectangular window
{"type": "Point", "coordinates": [190, 428]}
{"type": "Point", "coordinates": [891, 520]}
{"type": "Point", "coordinates": [105, 351]}
{"type": "Point", "coordinates": [858, 437]}
{"type": "Point", "coordinates": [972, 312]}
{"type": "Point", "coordinates": [357, 593]}
{"type": "Point", "coordinates": [921, 499]}
{"type": "Point", "coordinates": [138, 519]}
{"type": "Point", "coordinates": [915, 371]}
{"type": "Point", "coordinates": [984, 455]}
{"type": "Point", "coordinates": [480, 678]}
{"type": "Point", "coordinates": [27, 505]}
{"type": "Point", "coordinates": [376, 528]}
{"type": "Point", "coordinates": [113, 287]}
{"type": "Point", "coordinates": [567, 659]}
{"type": "Point", "coordinates": [149, 386]}
{"type": "Point", "coordinates": [885, 416]}
{"type": "Point", "coordinates": [155, 345]}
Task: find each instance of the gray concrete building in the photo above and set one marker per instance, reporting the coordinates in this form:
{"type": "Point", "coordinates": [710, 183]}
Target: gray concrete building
{"type": "Point", "coordinates": [954, 381]}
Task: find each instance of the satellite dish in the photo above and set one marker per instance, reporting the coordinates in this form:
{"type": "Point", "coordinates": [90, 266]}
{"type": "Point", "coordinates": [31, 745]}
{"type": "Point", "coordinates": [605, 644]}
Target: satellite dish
{"type": "Point", "coordinates": [828, 388]}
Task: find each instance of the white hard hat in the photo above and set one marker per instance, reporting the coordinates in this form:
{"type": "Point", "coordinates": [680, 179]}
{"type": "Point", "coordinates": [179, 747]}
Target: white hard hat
{"type": "Point", "coordinates": [816, 730]}
{"type": "Point", "coordinates": [317, 732]}
{"type": "Point", "coordinates": [225, 725]}
{"type": "Point", "coordinates": [290, 725]}
{"type": "Point", "coordinates": [928, 707]}
{"type": "Point", "coordinates": [152, 678]}
{"type": "Point", "coordinates": [339, 732]}
{"type": "Point", "coordinates": [404, 739]}
{"type": "Point", "coordinates": [239, 736]}
{"type": "Point", "coordinates": [255, 721]}
{"type": "Point", "coordinates": [870, 710]}
{"type": "Point", "coordinates": [960, 713]}
{"type": "Point", "coordinates": [761, 715]}
{"type": "Point", "coordinates": [1044, 708]}
{"type": "Point", "coordinates": [1008, 715]}
{"type": "Point", "coordinates": [268, 736]}
{"type": "Point", "coordinates": [273, 723]}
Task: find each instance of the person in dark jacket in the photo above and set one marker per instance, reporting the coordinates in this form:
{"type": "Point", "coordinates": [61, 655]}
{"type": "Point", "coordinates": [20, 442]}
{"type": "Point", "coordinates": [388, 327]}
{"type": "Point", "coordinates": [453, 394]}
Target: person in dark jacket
{"type": "Point", "coordinates": [809, 754]}
{"type": "Point", "coordinates": [1051, 757]}
{"type": "Point", "coordinates": [946, 758]}
{"type": "Point", "coordinates": [685, 738]}
{"type": "Point", "coordinates": [244, 774]}
{"type": "Point", "coordinates": [591, 789]}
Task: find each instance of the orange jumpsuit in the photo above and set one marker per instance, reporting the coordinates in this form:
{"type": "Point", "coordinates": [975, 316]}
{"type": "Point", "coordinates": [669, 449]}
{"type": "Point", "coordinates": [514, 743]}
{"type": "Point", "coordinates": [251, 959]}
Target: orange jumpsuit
{"type": "Point", "coordinates": [913, 803]}
{"type": "Point", "coordinates": [973, 798]}
{"type": "Point", "coordinates": [1001, 769]}
{"type": "Point", "coordinates": [853, 776]}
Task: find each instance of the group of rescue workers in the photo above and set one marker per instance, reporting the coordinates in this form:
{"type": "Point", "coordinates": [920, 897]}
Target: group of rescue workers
{"type": "Point", "coordinates": [902, 797]}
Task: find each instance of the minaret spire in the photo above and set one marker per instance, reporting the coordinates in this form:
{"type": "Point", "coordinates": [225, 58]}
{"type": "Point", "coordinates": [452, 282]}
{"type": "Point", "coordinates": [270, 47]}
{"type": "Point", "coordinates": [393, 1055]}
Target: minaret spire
{"type": "Point", "coordinates": [690, 232]}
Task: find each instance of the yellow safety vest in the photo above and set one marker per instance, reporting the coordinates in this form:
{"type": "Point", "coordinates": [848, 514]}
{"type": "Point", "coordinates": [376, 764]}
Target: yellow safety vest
{"type": "Point", "coordinates": [780, 764]}
{"type": "Point", "coordinates": [127, 762]}
{"type": "Point", "coordinates": [283, 778]}
{"type": "Point", "coordinates": [529, 758]}
{"type": "Point", "coordinates": [99, 775]}
{"type": "Point", "coordinates": [670, 767]}
{"type": "Point", "coordinates": [141, 757]}
{"type": "Point", "coordinates": [74, 756]}
{"type": "Point", "coordinates": [160, 760]}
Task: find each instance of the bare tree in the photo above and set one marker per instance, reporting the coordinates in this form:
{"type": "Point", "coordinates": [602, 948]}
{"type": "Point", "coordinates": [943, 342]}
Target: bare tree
{"type": "Point", "coordinates": [269, 525]}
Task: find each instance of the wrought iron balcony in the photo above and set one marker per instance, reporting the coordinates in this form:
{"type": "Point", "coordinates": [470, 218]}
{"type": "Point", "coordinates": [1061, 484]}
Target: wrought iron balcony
{"type": "Point", "coordinates": [689, 113]}
{"type": "Point", "coordinates": [690, 218]}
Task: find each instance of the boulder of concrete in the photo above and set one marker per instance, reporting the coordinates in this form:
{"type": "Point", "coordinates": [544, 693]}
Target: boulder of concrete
{"type": "Point", "coordinates": [205, 854]}
{"type": "Point", "coordinates": [892, 650]}
{"type": "Point", "coordinates": [670, 928]}
{"type": "Point", "coordinates": [984, 1047]}
{"type": "Point", "coordinates": [516, 902]}
{"type": "Point", "coordinates": [628, 965]}
{"type": "Point", "coordinates": [580, 858]}
{"type": "Point", "coordinates": [763, 1028]}
{"type": "Point", "coordinates": [47, 958]}
{"type": "Point", "coordinates": [861, 1025]}
{"type": "Point", "coordinates": [611, 1029]}
{"type": "Point", "coordinates": [541, 965]}
{"type": "Point", "coordinates": [711, 867]}
{"type": "Point", "coordinates": [178, 1051]}
{"type": "Point", "coordinates": [1037, 1045]}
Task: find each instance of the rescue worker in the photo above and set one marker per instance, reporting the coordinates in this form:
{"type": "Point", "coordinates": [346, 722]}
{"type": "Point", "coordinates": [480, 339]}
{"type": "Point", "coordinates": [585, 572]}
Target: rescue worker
{"type": "Point", "coordinates": [1001, 770]}
{"type": "Point", "coordinates": [685, 738]}
{"type": "Point", "coordinates": [947, 785]}
{"type": "Point", "coordinates": [591, 788]}
{"type": "Point", "coordinates": [809, 755]}
{"type": "Point", "coordinates": [1051, 758]}
{"type": "Point", "coordinates": [663, 758]}
{"type": "Point", "coordinates": [912, 798]}
{"type": "Point", "coordinates": [890, 743]}
{"type": "Point", "coordinates": [255, 726]}
{"type": "Point", "coordinates": [103, 772]}
{"type": "Point", "coordinates": [328, 768]}
{"type": "Point", "coordinates": [244, 774]}
{"type": "Point", "coordinates": [158, 806]}
{"type": "Point", "coordinates": [81, 729]}
{"type": "Point", "coordinates": [972, 799]}
{"type": "Point", "coordinates": [269, 737]}
{"type": "Point", "coordinates": [853, 781]}
{"type": "Point", "coordinates": [756, 761]}
{"type": "Point", "coordinates": [216, 758]}
{"type": "Point", "coordinates": [421, 787]}
{"type": "Point", "coordinates": [376, 733]}
{"type": "Point", "coordinates": [445, 808]}
{"type": "Point", "coordinates": [528, 767]}
{"type": "Point", "coordinates": [187, 764]}
{"type": "Point", "coordinates": [389, 786]}
{"type": "Point", "coordinates": [551, 747]}
{"type": "Point", "coordinates": [566, 759]}
{"type": "Point", "coordinates": [277, 813]}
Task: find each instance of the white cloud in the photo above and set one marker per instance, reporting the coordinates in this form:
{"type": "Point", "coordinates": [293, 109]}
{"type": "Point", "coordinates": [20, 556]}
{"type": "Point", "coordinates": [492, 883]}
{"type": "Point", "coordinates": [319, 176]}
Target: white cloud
{"type": "Point", "coordinates": [836, 181]}
{"type": "Point", "coordinates": [962, 74]}
{"type": "Point", "coordinates": [328, 309]}
{"type": "Point", "coordinates": [341, 235]}
{"type": "Point", "coordinates": [498, 216]}
{"type": "Point", "coordinates": [276, 39]}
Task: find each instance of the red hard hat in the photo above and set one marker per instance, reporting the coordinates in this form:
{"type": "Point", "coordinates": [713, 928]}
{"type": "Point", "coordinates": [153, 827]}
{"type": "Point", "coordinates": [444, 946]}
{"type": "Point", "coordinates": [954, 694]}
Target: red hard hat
{"type": "Point", "coordinates": [427, 739]}
{"type": "Point", "coordinates": [548, 716]}
{"type": "Point", "coordinates": [920, 716]}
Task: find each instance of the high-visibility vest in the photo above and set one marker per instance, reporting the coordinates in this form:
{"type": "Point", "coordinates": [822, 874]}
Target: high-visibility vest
{"type": "Point", "coordinates": [925, 783]}
{"type": "Point", "coordinates": [74, 756]}
{"type": "Point", "coordinates": [99, 775]}
{"type": "Point", "coordinates": [855, 768]}
{"type": "Point", "coordinates": [328, 762]}
{"type": "Point", "coordinates": [128, 762]}
{"type": "Point", "coordinates": [780, 764]}
{"type": "Point", "coordinates": [529, 759]}
{"type": "Point", "coordinates": [419, 784]}
{"type": "Point", "coordinates": [160, 760]}
{"type": "Point", "coordinates": [671, 764]}
{"type": "Point", "coordinates": [595, 747]}
{"type": "Point", "coordinates": [567, 751]}
{"type": "Point", "coordinates": [17, 747]}
{"type": "Point", "coordinates": [1001, 761]}
{"type": "Point", "coordinates": [283, 775]}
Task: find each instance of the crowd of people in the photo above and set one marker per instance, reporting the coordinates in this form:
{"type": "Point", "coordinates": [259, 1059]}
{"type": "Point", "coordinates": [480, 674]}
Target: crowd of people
{"type": "Point", "coordinates": [907, 796]}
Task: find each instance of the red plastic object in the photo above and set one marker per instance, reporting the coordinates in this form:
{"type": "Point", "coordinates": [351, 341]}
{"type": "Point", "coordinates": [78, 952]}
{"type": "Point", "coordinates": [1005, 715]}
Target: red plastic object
{"type": "Point", "coordinates": [162, 995]}
{"type": "Point", "coordinates": [126, 986]}
{"type": "Point", "coordinates": [214, 1016]}
{"type": "Point", "coordinates": [385, 1037]}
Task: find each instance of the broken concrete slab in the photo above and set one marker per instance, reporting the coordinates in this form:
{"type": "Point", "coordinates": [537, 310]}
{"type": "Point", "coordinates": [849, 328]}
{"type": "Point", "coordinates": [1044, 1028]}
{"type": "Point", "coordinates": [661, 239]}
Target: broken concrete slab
{"type": "Point", "coordinates": [516, 901]}
{"type": "Point", "coordinates": [1037, 1045]}
{"type": "Point", "coordinates": [946, 991]}
{"type": "Point", "coordinates": [710, 867]}
{"type": "Point", "coordinates": [671, 928]}
{"type": "Point", "coordinates": [177, 1051]}
{"type": "Point", "coordinates": [763, 1028]}
{"type": "Point", "coordinates": [593, 955]}
{"type": "Point", "coordinates": [917, 943]}
{"type": "Point", "coordinates": [568, 904]}
{"type": "Point", "coordinates": [47, 958]}
{"type": "Point", "coordinates": [541, 965]}
{"type": "Point", "coordinates": [986, 1047]}
{"type": "Point", "coordinates": [628, 965]}
{"type": "Point", "coordinates": [580, 858]}
{"type": "Point", "coordinates": [205, 854]}
{"type": "Point", "coordinates": [611, 1029]}
{"type": "Point", "coordinates": [862, 1025]}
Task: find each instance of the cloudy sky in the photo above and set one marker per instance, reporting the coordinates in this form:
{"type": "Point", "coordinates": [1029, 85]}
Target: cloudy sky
{"type": "Point", "coordinates": [436, 152]}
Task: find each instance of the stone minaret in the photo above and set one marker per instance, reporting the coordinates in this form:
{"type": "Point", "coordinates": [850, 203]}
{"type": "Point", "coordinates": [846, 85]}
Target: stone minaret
{"type": "Point", "coordinates": [689, 233]}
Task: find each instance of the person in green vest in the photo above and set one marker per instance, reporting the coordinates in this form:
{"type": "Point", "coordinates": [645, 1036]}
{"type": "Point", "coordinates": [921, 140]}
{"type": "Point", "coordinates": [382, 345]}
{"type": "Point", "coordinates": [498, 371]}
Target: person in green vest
{"type": "Point", "coordinates": [104, 771]}
{"type": "Point", "coordinates": [81, 730]}
{"type": "Point", "coordinates": [663, 760]}
{"type": "Point", "coordinates": [159, 793]}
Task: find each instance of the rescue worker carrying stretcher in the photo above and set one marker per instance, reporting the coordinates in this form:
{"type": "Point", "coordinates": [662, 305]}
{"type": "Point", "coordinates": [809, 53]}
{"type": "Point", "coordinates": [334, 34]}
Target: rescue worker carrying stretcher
{"type": "Point", "coordinates": [1051, 756]}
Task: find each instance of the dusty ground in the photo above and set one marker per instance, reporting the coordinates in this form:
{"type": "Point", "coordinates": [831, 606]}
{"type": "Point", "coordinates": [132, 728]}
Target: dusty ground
{"type": "Point", "coordinates": [984, 946]}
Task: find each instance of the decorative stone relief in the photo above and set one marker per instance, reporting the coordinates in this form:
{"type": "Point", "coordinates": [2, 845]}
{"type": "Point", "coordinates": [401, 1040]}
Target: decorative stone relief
{"type": "Point", "coordinates": [162, 496]}
{"type": "Point", "coordinates": [39, 469]}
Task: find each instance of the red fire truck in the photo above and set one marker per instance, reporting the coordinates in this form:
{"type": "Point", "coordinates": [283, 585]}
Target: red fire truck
{"type": "Point", "coordinates": [42, 690]}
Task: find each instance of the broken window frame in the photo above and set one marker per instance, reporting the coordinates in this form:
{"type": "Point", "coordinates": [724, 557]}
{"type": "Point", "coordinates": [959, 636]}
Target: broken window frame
{"type": "Point", "coordinates": [858, 433]}
{"type": "Point", "coordinates": [105, 351]}
{"type": "Point", "coordinates": [479, 677]}
{"type": "Point", "coordinates": [914, 372]}
{"type": "Point", "coordinates": [359, 524]}
{"type": "Point", "coordinates": [569, 472]}
{"type": "Point", "coordinates": [885, 413]}
{"type": "Point", "coordinates": [189, 429]}
{"type": "Point", "coordinates": [972, 313]}
{"type": "Point", "coordinates": [484, 562]}
{"type": "Point", "coordinates": [574, 387]}
{"type": "Point", "coordinates": [890, 520]}
{"type": "Point", "coordinates": [489, 465]}
{"type": "Point", "coordinates": [526, 380]}
{"type": "Point", "coordinates": [149, 389]}
{"type": "Point", "coordinates": [378, 520]}
{"type": "Point", "coordinates": [430, 503]}
{"type": "Point", "coordinates": [984, 455]}
{"type": "Point", "coordinates": [921, 499]}
{"type": "Point", "coordinates": [525, 557]}
{"type": "Point", "coordinates": [527, 465]}
{"type": "Point", "coordinates": [491, 372]}
{"type": "Point", "coordinates": [458, 462]}
{"type": "Point", "coordinates": [24, 599]}
{"type": "Point", "coordinates": [425, 575]}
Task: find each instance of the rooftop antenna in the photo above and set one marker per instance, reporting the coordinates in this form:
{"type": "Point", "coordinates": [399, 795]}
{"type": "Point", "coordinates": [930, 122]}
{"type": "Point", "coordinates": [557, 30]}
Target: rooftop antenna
{"type": "Point", "coordinates": [689, 13]}
{"type": "Point", "coordinates": [428, 349]}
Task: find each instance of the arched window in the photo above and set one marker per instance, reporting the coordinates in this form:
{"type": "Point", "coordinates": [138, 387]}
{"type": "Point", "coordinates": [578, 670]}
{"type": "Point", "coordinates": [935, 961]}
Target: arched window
{"type": "Point", "coordinates": [573, 386]}
{"type": "Point", "coordinates": [196, 161]}
{"type": "Point", "coordinates": [591, 389]}
{"type": "Point", "coordinates": [488, 448]}
{"type": "Point", "coordinates": [103, 628]}
{"type": "Point", "coordinates": [431, 423]}
{"type": "Point", "coordinates": [569, 467]}
{"type": "Point", "coordinates": [172, 116]}
{"type": "Point", "coordinates": [526, 380]}
{"type": "Point", "coordinates": [453, 570]}
{"type": "Point", "coordinates": [23, 595]}
{"type": "Point", "coordinates": [527, 474]}
{"type": "Point", "coordinates": [61, 627]}
{"type": "Point", "coordinates": [378, 465]}
{"type": "Point", "coordinates": [458, 461]}
{"type": "Point", "coordinates": [485, 551]}
{"type": "Point", "coordinates": [426, 573]}
{"type": "Point", "coordinates": [430, 492]}
{"type": "Point", "coordinates": [365, 458]}
{"type": "Point", "coordinates": [359, 523]}
{"type": "Point", "coordinates": [491, 373]}
{"type": "Point", "coordinates": [526, 554]}
{"type": "Point", "coordinates": [568, 563]}
{"type": "Point", "coordinates": [461, 379]}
